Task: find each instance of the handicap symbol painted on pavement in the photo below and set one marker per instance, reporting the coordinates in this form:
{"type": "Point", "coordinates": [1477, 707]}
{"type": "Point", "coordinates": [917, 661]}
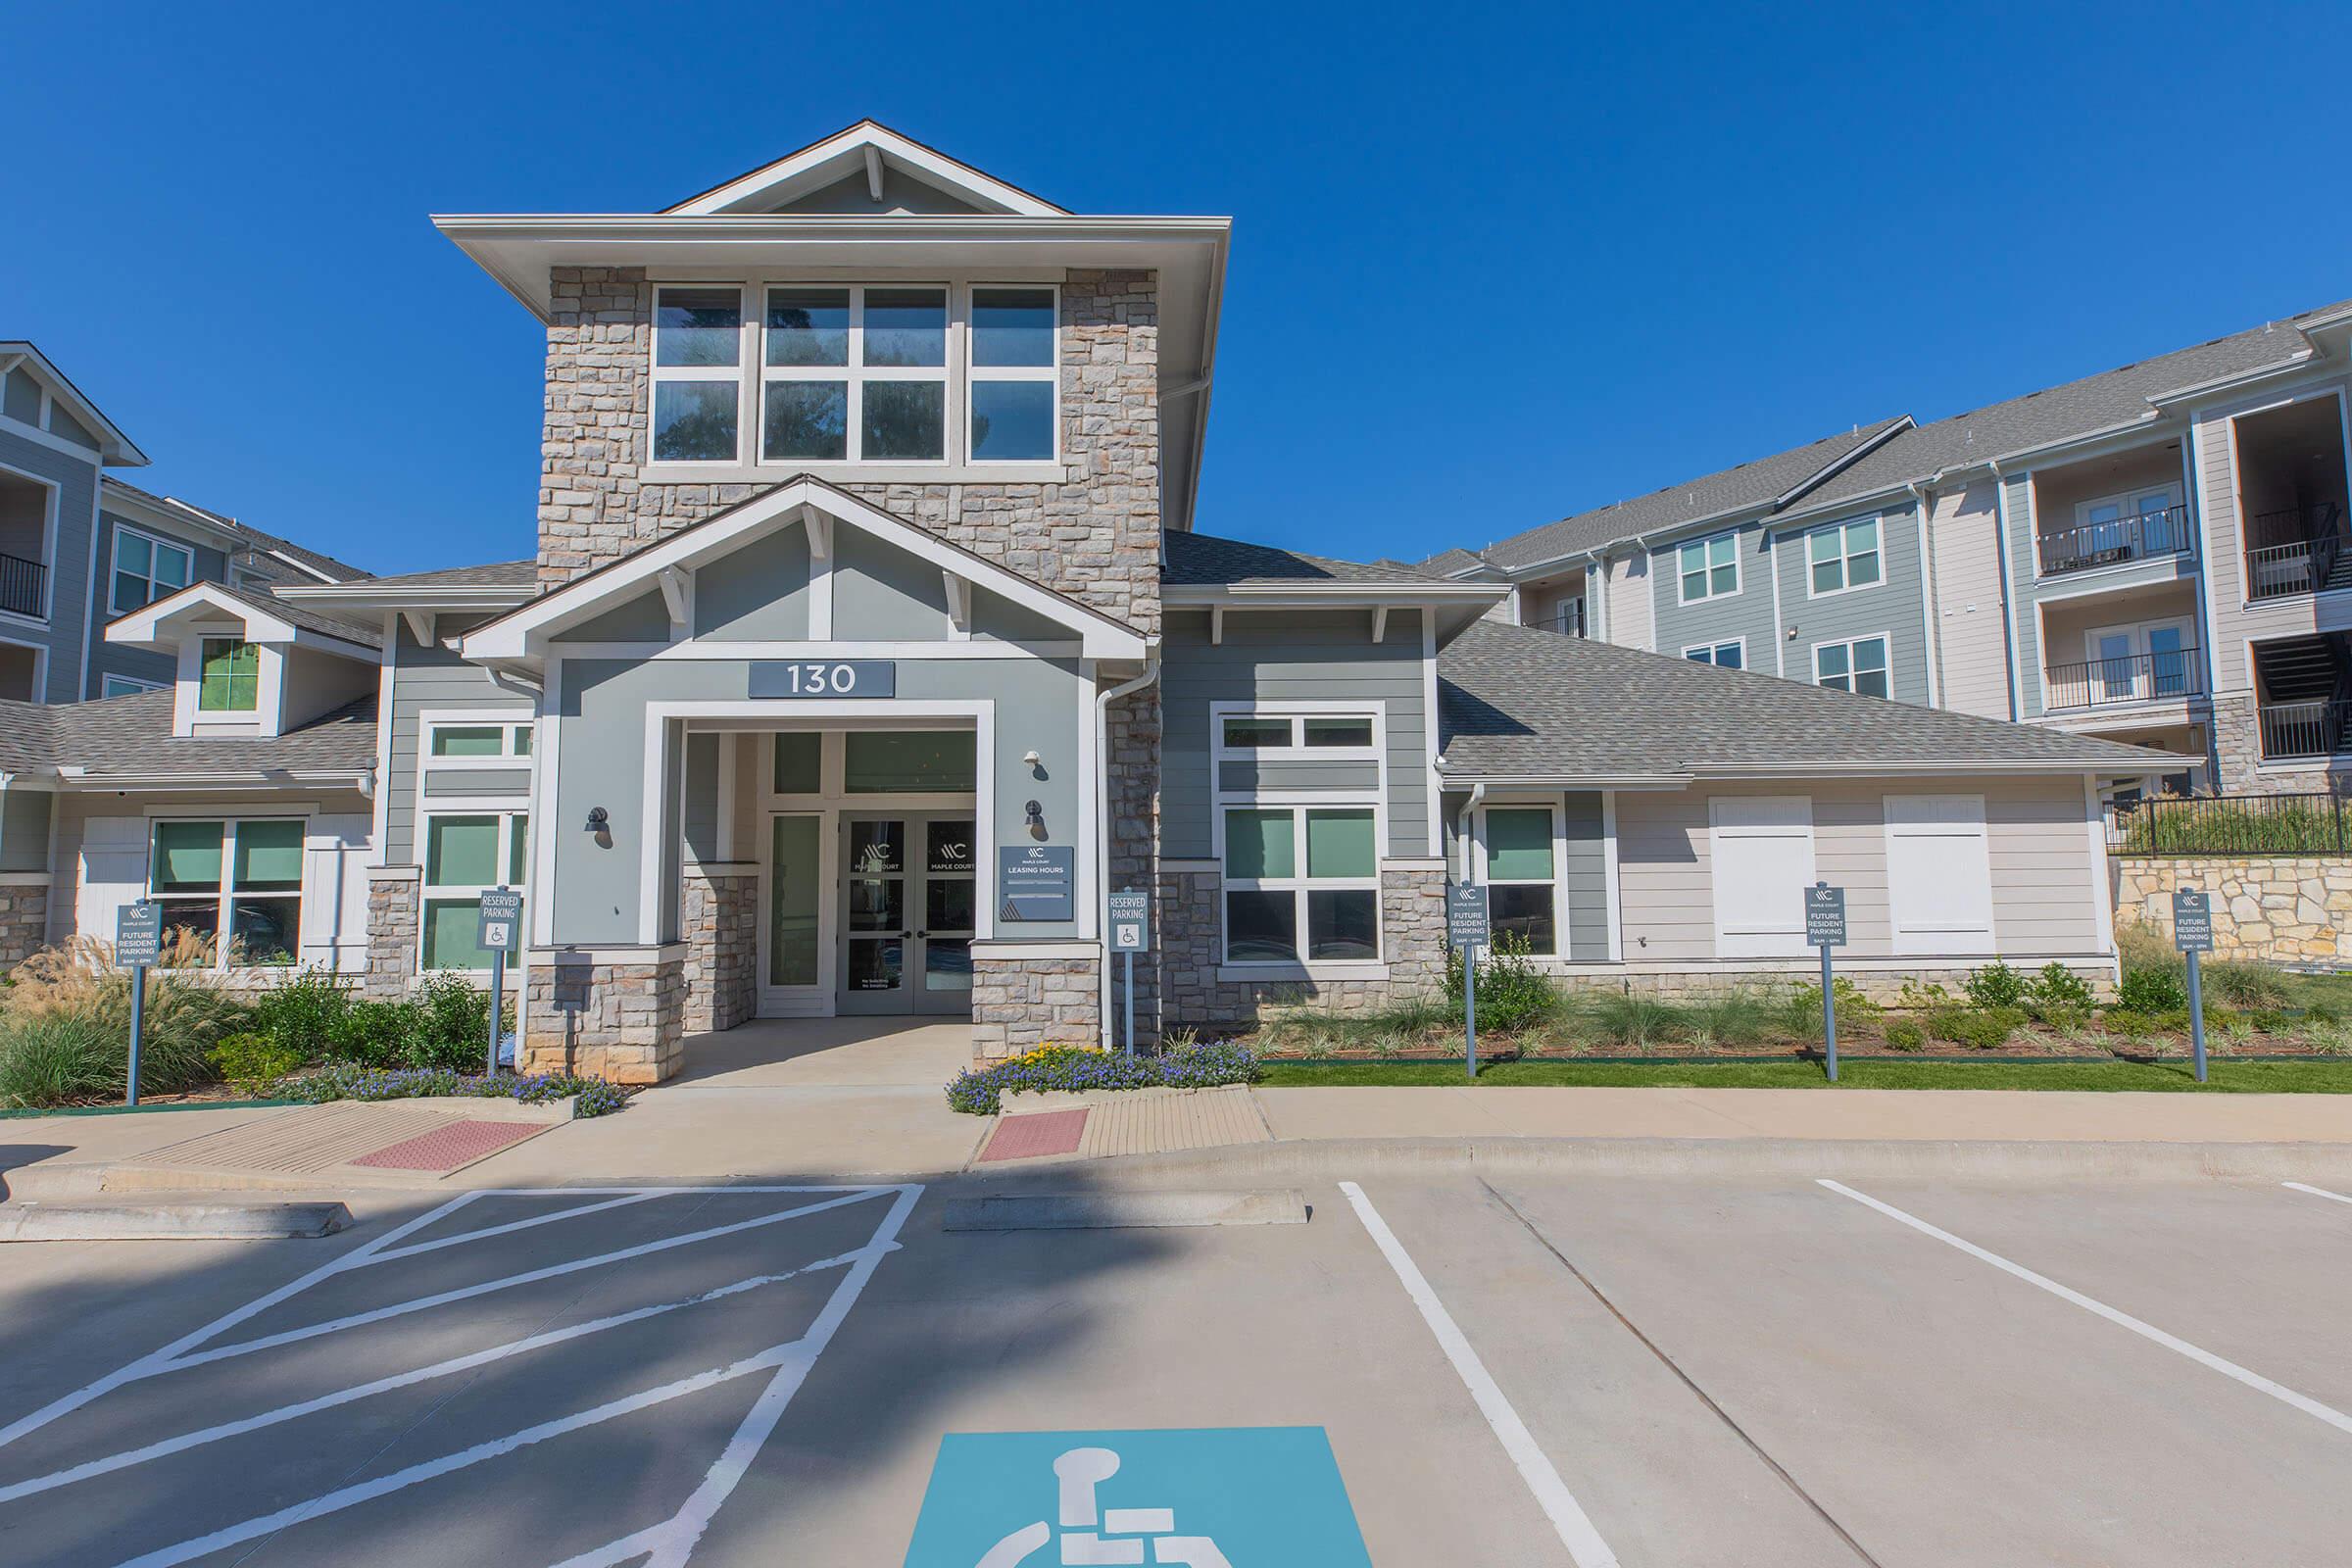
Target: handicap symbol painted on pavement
{"type": "Point", "coordinates": [1223, 1498]}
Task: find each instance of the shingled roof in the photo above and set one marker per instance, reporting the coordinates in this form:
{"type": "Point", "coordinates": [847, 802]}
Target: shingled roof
{"type": "Point", "coordinates": [1197, 560]}
{"type": "Point", "coordinates": [1515, 702]}
{"type": "Point", "coordinates": [523, 573]}
{"type": "Point", "coordinates": [130, 737]}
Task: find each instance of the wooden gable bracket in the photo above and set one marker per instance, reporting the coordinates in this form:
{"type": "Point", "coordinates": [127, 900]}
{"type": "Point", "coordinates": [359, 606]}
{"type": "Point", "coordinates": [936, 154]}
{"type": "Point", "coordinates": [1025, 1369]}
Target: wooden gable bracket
{"type": "Point", "coordinates": [1216, 623]}
{"type": "Point", "coordinates": [873, 171]}
{"type": "Point", "coordinates": [959, 601]}
{"type": "Point", "coordinates": [421, 625]}
{"type": "Point", "coordinates": [678, 594]}
{"type": "Point", "coordinates": [1380, 622]}
{"type": "Point", "coordinates": [821, 532]}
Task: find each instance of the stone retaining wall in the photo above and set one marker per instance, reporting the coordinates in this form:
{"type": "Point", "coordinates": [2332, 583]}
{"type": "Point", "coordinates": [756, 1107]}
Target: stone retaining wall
{"type": "Point", "coordinates": [2270, 908]}
{"type": "Point", "coordinates": [1020, 1002]}
{"type": "Point", "coordinates": [615, 1013]}
{"type": "Point", "coordinates": [1412, 918]}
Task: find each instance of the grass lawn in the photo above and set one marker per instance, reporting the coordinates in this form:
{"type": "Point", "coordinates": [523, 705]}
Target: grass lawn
{"type": "Point", "coordinates": [2226, 1077]}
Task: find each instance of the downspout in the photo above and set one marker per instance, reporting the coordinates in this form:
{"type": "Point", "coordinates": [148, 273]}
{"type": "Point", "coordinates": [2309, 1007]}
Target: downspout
{"type": "Point", "coordinates": [1103, 702]}
{"type": "Point", "coordinates": [1461, 828]}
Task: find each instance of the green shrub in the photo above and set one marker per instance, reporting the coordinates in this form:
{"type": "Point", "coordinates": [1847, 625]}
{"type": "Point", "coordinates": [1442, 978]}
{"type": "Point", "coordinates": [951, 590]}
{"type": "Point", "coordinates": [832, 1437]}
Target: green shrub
{"type": "Point", "coordinates": [1512, 993]}
{"type": "Point", "coordinates": [2131, 1023]}
{"type": "Point", "coordinates": [369, 1033]}
{"type": "Point", "coordinates": [1736, 1017]}
{"type": "Point", "coordinates": [453, 1026]}
{"type": "Point", "coordinates": [2151, 990]}
{"type": "Point", "coordinates": [1997, 985]}
{"type": "Point", "coordinates": [302, 1015]}
{"type": "Point", "coordinates": [2059, 989]}
{"type": "Point", "coordinates": [2244, 985]}
{"type": "Point", "coordinates": [2269, 1021]}
{"type": "Point", "coordinates": [1632, 1020]}
{"type": "Point", "coordinates": [57, 1059]}
{"type": "Point", "coordinates": [1906, 1034]}
{"type": "Point", "coordinates": [1978, 1028]}
{"type": "Point", "coordinates": [2320, 1012]}
{"type": "Point", "coordinates": [1800, 1012]}
{"type": "Point", "coordinates": [2214, 828]}
{"type": "Point", "coordinates": [256, 1061]}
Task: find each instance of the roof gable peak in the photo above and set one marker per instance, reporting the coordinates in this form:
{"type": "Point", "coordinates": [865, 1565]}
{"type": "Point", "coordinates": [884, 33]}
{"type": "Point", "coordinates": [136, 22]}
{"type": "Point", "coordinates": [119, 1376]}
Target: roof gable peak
{"type": "Point", "coordinates": [866, 168]}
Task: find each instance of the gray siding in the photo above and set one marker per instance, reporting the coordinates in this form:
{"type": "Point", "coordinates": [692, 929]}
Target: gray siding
{"type": "Point", "coordinates": [702, 796]}
{"type": "Point", "coordinates": [207, 564]}
{"type": "Point", "coordinates": [1745, 615]}
{"type": "Point", "coordinates": [430, 678]}
{"type": "Point", "coordinates": [76, 482]}
{"type": "Point", "coordinates": [1584, 879]}
{"type": "Point", "coordinates": [1891, 606]}
{"type": "Point", "coordinates": [1306, 656]}
{"type": "Point", "coordinates": [24, 829]}
{"type": "Point", "coordinates": [478, 781]}
{"type": "Point", "coordinates": [1306, 774]}
{"type": "Point", "coordinates": [882, 593]}
{"type": "Point", "coordinates": [758, 594]}
{"type": "Point", "coordinates": [643, 619]}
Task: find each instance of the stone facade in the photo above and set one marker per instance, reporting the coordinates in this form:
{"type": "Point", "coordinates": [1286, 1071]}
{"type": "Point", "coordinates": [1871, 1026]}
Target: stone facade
{"type": "Point", "coordinates": [615, 1013]}
{"type": "Point", "coordinates": [394, 914]}
{"type": "Point", "coordinates": [24, 918]}
{"type": "Point", "coordinates": [1133, 765]}
{"type": "Point", "coordinates": [1413, 913]}
{"type": "Point", "coordinates": [720, 918]}
{"type": "Point", "coordinates": [2271, 910]}
{"type": "Point", "coordinates": [1024, 1002]}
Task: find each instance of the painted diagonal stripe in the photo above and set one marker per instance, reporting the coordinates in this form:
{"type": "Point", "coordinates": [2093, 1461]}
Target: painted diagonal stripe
{"type": "Point", "coordinates": [2146, 1330]}
{"type": "Point", "coordinates": [2317, 1192]}
{"type": "Point", "coordinates": [508, 1229]}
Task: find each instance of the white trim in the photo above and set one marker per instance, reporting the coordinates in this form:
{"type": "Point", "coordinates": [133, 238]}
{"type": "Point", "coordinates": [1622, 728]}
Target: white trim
{"type": "Point", "coordinates": [40, 664]}
{"type": "Point", "coordinates": [841, 156]}
{"type": "Point", "coordinates": [1780, 627]}
{"type": "Point", "coordinates": [1373, 709]}
{"type": "Point", "coordinates": [104, 594]}
{"type": "Point", "coordinates": [1942, 941]}
{"type": "Point", "coordinates": [1845, 556]}
{"type": "Point", "coordinates": [1886, 638]}
{"type": "Point", "coordinates": [507, 810]}
{"type": "Point", "coordinates": [1554, 805]}
{"type": "Point", "coordinates": [1705, 544]}
{"type": "Point", "coordinates": [1931, 627]}
{"type": "Point", "coordinates": [547, 749]}
{"type": "Point", "coordinates": [1616, 898]}
{"type": "Point", "coordinates": [2102, 887]}
{"type": "Point", "coordinates": [1775, 942]}
{"type": "Point", "coordinates": [230, 818]}
{"type": "Point", "coordinates": [511, 720]}
{"type": "Point", "coordinates": [52, 522]}
{"type": "Point", "coordinates": [1712, 647]}
{"type": "Point", "coordinates": [945, 648]}
{"type": "Point", "coordinates": [2004, 526]}
{"type": "Point", "coordinates": [135, 684]}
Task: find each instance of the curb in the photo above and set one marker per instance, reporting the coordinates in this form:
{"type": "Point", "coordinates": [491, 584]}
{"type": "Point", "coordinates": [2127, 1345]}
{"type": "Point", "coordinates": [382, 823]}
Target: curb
{"type": "Point", "coordinates": [187, 1219]}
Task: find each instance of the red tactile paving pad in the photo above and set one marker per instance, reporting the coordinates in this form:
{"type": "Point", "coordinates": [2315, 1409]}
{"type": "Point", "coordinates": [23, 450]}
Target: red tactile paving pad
{"type": "Point", "coordinates": [1037, 1134]}
{"type": "Point", "coordinates": [460, 1142]}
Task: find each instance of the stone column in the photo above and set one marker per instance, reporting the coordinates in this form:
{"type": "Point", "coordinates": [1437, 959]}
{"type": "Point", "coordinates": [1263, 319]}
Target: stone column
{"type": "Point", "coordinates": [25, 918]}
{"type": "Point", "coordinates": [394, 928]}
{"type": "Point", "coordinates": [2238, 745]}
{"type": "Point", "coordinates": [1028, 994]}
{"type": "Point", "coordinates": [1132, 764]}
{"type": "Point", "coordinates": [720, 915]}
{"type": "Point", "coordinates": [610, 1012]}
{"type": "Point", "coordinates": [1412, 928]}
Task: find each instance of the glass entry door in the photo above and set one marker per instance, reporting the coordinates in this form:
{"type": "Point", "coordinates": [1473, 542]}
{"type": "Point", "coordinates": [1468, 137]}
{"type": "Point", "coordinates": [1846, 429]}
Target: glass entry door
{"type": "Point", "coordinates": [907, 914]}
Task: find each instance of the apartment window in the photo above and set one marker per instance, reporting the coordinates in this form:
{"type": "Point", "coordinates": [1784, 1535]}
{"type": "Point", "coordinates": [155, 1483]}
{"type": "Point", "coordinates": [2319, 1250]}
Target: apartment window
{"type": "Point", "coordinates": [243, 878]}
{"type": "Point", "coordinates": [1253, 733]}
{"type": "Point", "coordinates": [1301, 883]}
{"type": "Point", "coordinates": [232, 680]}
{"type": "Point", "coordinates": [146, 568]}
{"type": "Point", "coordinates": [1859, 665]}
{"type": "Point", "coordinates": [698, 347]}
{"type": "Point", "coordinates": [1843, 556]}
{"type": "Point", "coordinates": [125, 686]}
{"type": "Point", "coordinates": [851, 373]}
{"type": "Point", "coordinates": [1014, 374]}
{"type": "Point", "coordinates": [467, 854]}
{"type": "Point", "coordinates": [1710, 567]}
{"type": "Point", "coordinates": [464, 742]}
{"type": "Point", "coordinates": [1522, 889]}
{"type": "Point", "coordinates": [1724, 655]}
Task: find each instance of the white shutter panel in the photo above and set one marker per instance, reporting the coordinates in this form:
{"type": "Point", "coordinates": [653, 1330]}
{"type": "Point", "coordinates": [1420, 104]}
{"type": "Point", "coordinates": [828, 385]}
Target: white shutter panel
{"type": "Point", "coordinates": [1939, 874]}
{"type": "Point", "coordinates": [1762, 860]}
{"type": "Point", "coordinates": [112, 870]}
{"type": "Point", "coordinates": [334, 893]}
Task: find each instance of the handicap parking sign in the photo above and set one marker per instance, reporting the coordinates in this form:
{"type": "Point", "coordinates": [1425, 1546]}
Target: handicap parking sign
{"type": "Point", "coordinates": [1220, 1498]}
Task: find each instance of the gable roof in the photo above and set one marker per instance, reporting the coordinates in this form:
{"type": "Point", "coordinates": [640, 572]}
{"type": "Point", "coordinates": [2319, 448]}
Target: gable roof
{"type": "Point", "coordinates": [110, 742]}
{"type": "Point", "coordinates": [114, 447]}
{"type": "Point", "coordinates": [867, 149]}
{"type": "Point", "coordinates": [267, 618]}
{"type": "Point", "coordinates": [1773, 481]}
{"type": "Point", "coordinates": [1517, 702]}
{"type": "Point", "coordinates": [235, 535]}
{"type": "Point", "coordinates": [1200, 560]}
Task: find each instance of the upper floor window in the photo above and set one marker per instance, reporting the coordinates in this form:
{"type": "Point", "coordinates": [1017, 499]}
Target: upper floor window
{"type": "Point", "coordinates": [1013, 375]}
{"type": "Point", "coordinates": [698, 333]}
{"type": "Point", "coordinates": [1859, 665]}
{"type": "Point", "coordinates": [146, 568]}
{"type": "Point", "coordinates": [125, 686]}
{"type": "Point", "coordinates": [1843, 556]}
{"type": "Point", "coordinates": [232, 680]}
{"type": "Point", "coordinates": [1256, 733]}
{"type": "Point", "coordinates": [1722, 656]}
{"type": "Point", "coordinates": [488, 739]}
{"type": "Point", "coordinates": [1710, 567]}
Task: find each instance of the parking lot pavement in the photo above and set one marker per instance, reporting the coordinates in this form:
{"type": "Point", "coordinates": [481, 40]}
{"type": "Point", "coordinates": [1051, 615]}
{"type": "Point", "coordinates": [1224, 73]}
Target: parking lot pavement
{"type": "Point", "coordinates": [1574, 1372]}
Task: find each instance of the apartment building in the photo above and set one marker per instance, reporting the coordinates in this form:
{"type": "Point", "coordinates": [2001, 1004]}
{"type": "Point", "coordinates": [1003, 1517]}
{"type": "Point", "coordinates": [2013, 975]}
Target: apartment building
{"type": "Point", "coordinates": [2153, 555]}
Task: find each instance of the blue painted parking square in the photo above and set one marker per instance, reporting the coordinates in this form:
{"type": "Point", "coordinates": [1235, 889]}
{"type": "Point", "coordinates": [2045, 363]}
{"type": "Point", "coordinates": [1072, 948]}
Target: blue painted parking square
{"type": "Point", "coordinates": [1215, 1498]}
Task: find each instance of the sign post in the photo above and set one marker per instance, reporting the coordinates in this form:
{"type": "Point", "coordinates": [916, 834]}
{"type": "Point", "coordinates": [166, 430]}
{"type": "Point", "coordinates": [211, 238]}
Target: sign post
{"type": "Point", "coordinates": [1466, 929]}
{"type": "Point", "coordinates": [2192, 934]}
{"type": "Point", "coordinates": [1130, 934]}
{"type": "Point", "coordinates": [1825, 928]}
{"type": "Point", "coordinates": [500, 933]}
{"type": "Point", "coordinates": [138, 944]}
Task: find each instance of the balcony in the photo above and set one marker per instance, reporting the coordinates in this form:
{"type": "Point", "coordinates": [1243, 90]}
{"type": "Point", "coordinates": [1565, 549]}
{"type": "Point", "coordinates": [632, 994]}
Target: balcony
{"type": "Point", "coordinates": [2144, 537]}
{"type": "Point", "coordinates": [2303, 693]}
{"type": "Point", "coordinates": [2294, 549]}
{"type": "Point", "coordinates": [1567, 618]}
{"type": "Point", "coordinates": [2170, 675]}
{"type": "Point", "coordinates": [23, 585]}
{"type": "Point", "coordinates": [2294, 731]}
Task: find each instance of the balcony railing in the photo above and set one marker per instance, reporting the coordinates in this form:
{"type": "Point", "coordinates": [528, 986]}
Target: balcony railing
{"type": "Point", "coordinates": [1566, 618]}
{"type": "Point", "coordinates": [2133, 678]}
{"type": "Point", "coordinates": [2304, 729]}
{"type": "Point", "coordinates": [2292, 552]}
{"type": "Point", "coordinates": [2103, 544]}
{"type": "Point", "coordinates": [22, 586]}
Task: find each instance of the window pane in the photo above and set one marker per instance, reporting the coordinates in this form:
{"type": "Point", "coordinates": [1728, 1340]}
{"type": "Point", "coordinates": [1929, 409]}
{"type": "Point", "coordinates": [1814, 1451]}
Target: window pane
{"type": "Point", "coordinates": [878, 904]}
{"type": "Point", "coordinates": [1871, 683]}
{"type": "Point", "coordinates": [129, 593]}
{"type": "Point", "coordinates": [807, 326]}
{"type": "Point", "coordinates": [1340, 844]}
{"type": "Point", "coordinates": [1519, 845]}
{"type": "Point", "coordinates": [1013, 422]}
{"type": "Point", "coordinates": [265, 931]}
{"type": "Point", "coordinates": [798, 756]}
{"type": "Point", "coordinates": [1871, 653]}
{"type": "Point", "coordinates": [1344, 923]}
{"type": "Point", "coordinates": [269, 857]}
{"type": "Point", "coordinates": [948, 905]}
{"type": "Point", "coordinates": [195, 919]}
{"type": "Point", "coordinates": [1524, 910]}
{"type": "Point", "coordinates": [170, 566]}
{"type": "Point", "coordinates": [134, 554]}
{"type": "Point", "coordinates": [522, 740]}
{"type": "Point", "coordinates": [905, 420]}
{"type": "Point", "coordinates": [1261, 927]}
{"type": "Point", "coordinates": [808, 420]}
{"type": "Point", "coordinates": [1862, 570]}
{"type": "Point", "coordinates": [1012, 326]}
{"type": "Point", "coordinates": [694, 421]}
{"type": "Point", "coordinates": [1339, 732]}
{"type": "Point", "coordinates": [1723, 580]}
{"type": "Point", "coordinates": [452, 935]}
{"type": "Point", "coordinates": [1828, 576]}
{"type": "Point", "coordinates": [1694, 571]}
{"type": "Point", "coordinates": [187, 858]}
{"type": "Point", "coordinates": [231, 676]}
{"type": "Point", "coordinates": [1728, 657]}
{"type": "Point", "coordinates": [793, 893]}
{"type": "Point", "coordinates": [877, 847]}
{"type": "Point", "coordinates": [1257, 846]}
{"type": "Point", "coordinates": [518, 851]}
{"type": "Point", "coordinates": [698, 326]}
{"type": "Point", "coordinates": [1252, 734]}
{"type": "Point", "coordinates": [461, 852]}
{"type": "Point", "coordinates": [469, 740]}
{"type": "Point", "coordinates": [905, 326]}
{"type": "Point", "coordinates": [1829, 661]}
{"type": "Point", "coordinates": [925, 761]}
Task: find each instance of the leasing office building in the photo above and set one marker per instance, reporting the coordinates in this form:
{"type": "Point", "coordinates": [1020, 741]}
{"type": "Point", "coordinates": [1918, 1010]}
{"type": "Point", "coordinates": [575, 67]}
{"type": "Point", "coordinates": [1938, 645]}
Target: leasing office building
{"type": "Point", "coordinates": [868, 646]}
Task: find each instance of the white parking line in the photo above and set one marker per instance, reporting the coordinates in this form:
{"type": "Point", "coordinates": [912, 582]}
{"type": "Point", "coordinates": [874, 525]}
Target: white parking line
{"type": "Point", "coordinates": [510, 1228]}
{"type": "Point", "coordinates": [2317, 1192]}
{"type": "Point", "coordinates": [1551, 1493]}
{"type": "Point", "coordinates": [2146, 1330]}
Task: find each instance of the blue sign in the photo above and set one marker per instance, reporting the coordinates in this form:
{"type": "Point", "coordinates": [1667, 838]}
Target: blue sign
{"type": "Point", "coordinates": [1224, 1498]}
{"type": "Point", "coordinates": [824, 677]}
{"type": "Point", "coordinates": [1037, 882]}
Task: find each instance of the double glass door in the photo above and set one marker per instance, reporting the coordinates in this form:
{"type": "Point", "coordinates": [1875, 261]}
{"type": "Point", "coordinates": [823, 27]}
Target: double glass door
{"type": "Point", "coordinates": [908, 915]}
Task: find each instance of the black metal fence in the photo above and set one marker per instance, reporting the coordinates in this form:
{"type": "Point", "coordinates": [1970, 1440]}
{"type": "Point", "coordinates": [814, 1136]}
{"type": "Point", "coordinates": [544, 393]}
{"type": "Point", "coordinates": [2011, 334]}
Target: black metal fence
{"type": "Point", "coordinates": [2231, 824]}
{"type": "Point", "coordinates": [2293, 550]}
{"type": "Point", "coordinates": [2135, 678]}
{"type": "Point", "coordinates": [2103, 544]}
{"type": "Point", "coordinates": [21, 584]}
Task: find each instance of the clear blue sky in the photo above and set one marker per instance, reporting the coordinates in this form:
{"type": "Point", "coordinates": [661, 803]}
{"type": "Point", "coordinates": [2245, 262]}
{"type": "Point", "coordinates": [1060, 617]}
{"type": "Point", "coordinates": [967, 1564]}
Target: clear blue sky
{"type": "Point", "coordinates": [1487, 269]}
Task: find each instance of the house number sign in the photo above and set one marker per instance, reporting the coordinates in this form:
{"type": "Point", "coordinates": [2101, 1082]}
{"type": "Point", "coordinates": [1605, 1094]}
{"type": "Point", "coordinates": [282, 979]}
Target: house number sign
{"type": "Point", "coordinates": [824, 677]}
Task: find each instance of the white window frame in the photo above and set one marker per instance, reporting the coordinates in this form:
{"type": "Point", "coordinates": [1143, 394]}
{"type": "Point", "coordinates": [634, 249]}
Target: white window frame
{"type": "Point", "coordinates": [513, 724]}
{"type": "Point", "coordinates": [155, 542]}
{"type": "Point", "coordinates": [228, 893]}
{"type": "Point", "coordinates": [1682, 574]}
{"type": "Point", "coordinates": [1298, 802]}
{"type": "Point", "coordinates": [509, 809]}
{"type": "Point", "coordinates": [1298, 750]}
{"type": "Point", "coordinates": [1846, 555]}
{"type": "Point", "coordinates": [131, 686]}
{"type": "Point", "coordinates": [51, 501]}
{"type": "Point", "coordinates": [857, 373]}
{"type": "Point", "coordinates": [2124, 502]}
{"type": "Point", "coordinates": [747, 343]}
{"type": "Point", "coordinates": [203, 640]}
{"type": "Point", "coordinates": [1713, 649]}
{"type": "Point", "coordinates": [976, 372]}
{"type": "Point", "coordinates": [1561, 937]}
{"type": "Point", "coordinates": [1849, 644]}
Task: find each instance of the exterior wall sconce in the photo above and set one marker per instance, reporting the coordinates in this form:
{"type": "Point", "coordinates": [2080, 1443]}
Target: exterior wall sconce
{"type": "Point", "coordinates": [600, 827]}
{"type": "Point", "coordinates": [1037, 820]}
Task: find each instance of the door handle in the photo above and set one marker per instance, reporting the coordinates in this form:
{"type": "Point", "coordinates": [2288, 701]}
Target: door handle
{"type": "Point", "coordinates": [922, 933]}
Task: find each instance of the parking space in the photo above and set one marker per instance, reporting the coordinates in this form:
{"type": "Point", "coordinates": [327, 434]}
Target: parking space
{"type": "Point", "coordinates": [1434, 1369]}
